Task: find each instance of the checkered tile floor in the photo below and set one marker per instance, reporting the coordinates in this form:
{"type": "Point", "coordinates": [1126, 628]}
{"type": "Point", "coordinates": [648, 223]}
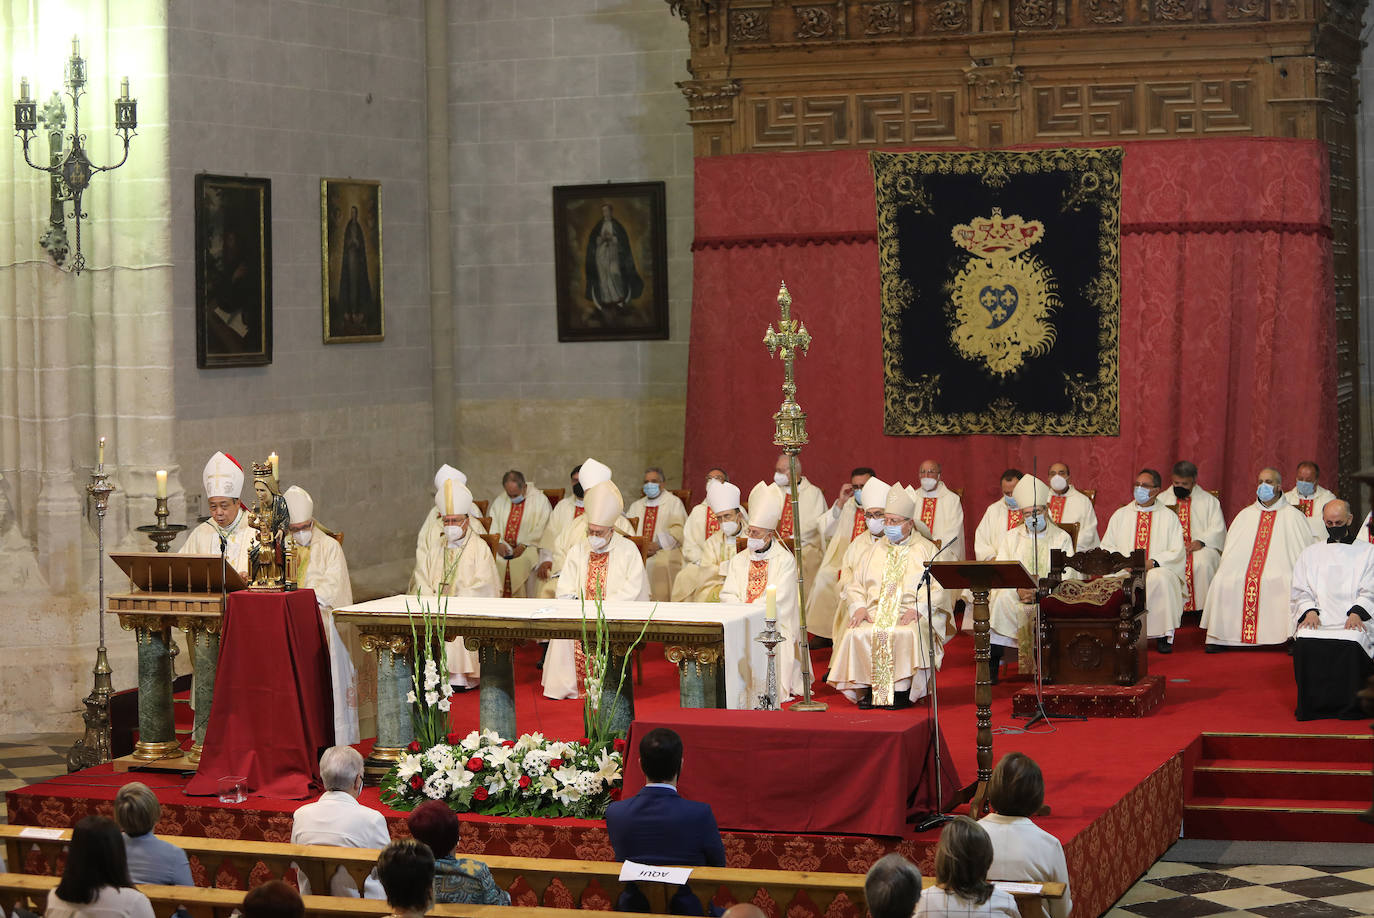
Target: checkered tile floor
{"type": "Point", "coordinates": [1176, 890]}
{"type": "Point", "coordinates": [28, 758]}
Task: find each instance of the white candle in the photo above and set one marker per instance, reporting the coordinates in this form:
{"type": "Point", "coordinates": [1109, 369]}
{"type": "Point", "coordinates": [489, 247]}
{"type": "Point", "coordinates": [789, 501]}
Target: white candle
{"type": "Point", "coordinates": [124, 90]}
{"type": "Point", "coordinates": [76, 47]}
{"type": "Point", "coordinates": [273, 461]}
{"type": "Point", "coordinates": [770, 607]}
{"type": "Point", "coordinates": [448, 497]}
{"type": "Point", "coordinates": [23, 89]}
{"type": "Point", "coordinates": [161, 482]}
{"type": "Point", "coordinates": [100, 456]}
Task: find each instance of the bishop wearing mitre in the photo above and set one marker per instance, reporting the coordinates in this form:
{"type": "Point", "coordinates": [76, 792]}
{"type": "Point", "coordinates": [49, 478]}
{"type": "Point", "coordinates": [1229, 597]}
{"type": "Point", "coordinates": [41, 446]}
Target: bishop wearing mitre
{"type": "Point", "coordinates": [434, 519]}
{"type": "Point", "coordinates": [886, 657]}
{"type": "Point", "coordinates": [701, 522]}
{"type": "Point", "coordinates": [767, 562]}
{"type": "Point", "coordinates": [702, 581]}
{"type": "Point", "coordinates": [1204, 532]}
{"type": "Point", "coordinates": [520, 513]}
{"type": "Point", "coordinates": [227, 528]}
{"type": "Point", "coordinates": [873, 501]}
{"type": "Point", "coordinates": [455, 561]}
{"type": "Point", "coordinates": [660, 518]}
{"type": "Point", "coordinates": [603, 565]}
{"type": "Point", "coordinates": [568, 526]}
{"type": "Point", "coordinates": [1146, 523]}
{"type": "Point", "coordinates": [1248, 601]}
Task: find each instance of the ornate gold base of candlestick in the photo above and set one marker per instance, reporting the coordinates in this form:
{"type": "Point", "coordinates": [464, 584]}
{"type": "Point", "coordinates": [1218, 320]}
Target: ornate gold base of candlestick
{"type": "Point", "coordinates": [163, 533]}
{"type": "Point", "coordinates": [94, 747]}
{"type": "Point", "coordinates": [149, 752]}
{"type": "Point", "coordinates": [194, 754]}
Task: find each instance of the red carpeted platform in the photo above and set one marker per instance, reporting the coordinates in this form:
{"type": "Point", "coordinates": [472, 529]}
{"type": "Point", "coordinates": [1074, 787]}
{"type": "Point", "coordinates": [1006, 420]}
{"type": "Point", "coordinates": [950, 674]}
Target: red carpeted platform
{"type": "Point", "coordinates": [1116, 786]}
{"type": "Point", "coordinates": [1137, 700]}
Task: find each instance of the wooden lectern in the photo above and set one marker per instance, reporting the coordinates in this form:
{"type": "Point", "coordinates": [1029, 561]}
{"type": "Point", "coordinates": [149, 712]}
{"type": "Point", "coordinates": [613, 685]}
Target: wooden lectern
{"type": "Point", "coordinates": [981, 578]}
{"type": "Point", "coordinates": [168, 591]}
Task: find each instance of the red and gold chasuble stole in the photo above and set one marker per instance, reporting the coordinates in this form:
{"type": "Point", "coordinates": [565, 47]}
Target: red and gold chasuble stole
{"type": "Point", "coordinates": [578, 511]}
{"type": "Point", "coordinates": [1014, 518]}
{"type": "Point", "coordinates": [1185, 517]}
{"type": "Point", "coordinates": [928, 511]}
{"type": "Point", "coordinates": [1142, 533]}
{"type": "Point", "coordinates": [595, 587]}
{"type": "Point", "coordinates": [758, 580]}
{"type": "Point", "coordinates": [1305, 505]}
{"type": "Point", "coordinates": [860, 526]}
{"type": "Point", "coordinates": [510, 535]}
{"type": "Point", "coordinates": [1254, 575]}
{"type": "Point", "coordinates": [785, 524]}
{"type": "Point", "coordinates": [711, 524]}
{"type": "Point", "coordinates": [646, 529]}
{"type": "Point", "coordinates": [1057, 502]}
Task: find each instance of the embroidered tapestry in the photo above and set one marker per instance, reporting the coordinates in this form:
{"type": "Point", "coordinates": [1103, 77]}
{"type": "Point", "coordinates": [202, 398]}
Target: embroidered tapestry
{"type": "Point", "coordinates": [1001, 291]}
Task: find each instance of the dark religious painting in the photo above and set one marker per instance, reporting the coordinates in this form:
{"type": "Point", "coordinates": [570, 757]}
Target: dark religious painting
{"type": "Point", "coordinates": [233, 271]}
{"type": "Point", "coordinates": [1001, 291]}
{"type": "Point", "coordinates": [611, 261]}
{"type": "Point", "coordinates": [351, 260]}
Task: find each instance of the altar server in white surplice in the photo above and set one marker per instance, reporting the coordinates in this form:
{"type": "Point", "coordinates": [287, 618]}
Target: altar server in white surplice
{"type": "Point", "coordinates": [519, 514]}
{"type": "Point", "coordinates": [1012, 612]}
{"type": "Point", "coordinates": [702, 581]}
{"type": "Point", "coordinates": [875, 492]}
{"type": "Point", "coordinates": [1001, 517]}
{"type": "Point", "coordinates": [885, 658]}
{"type": "Point", "coordinates": [1204, 532]}
{"type": "Point", "coordinates": [1070, 505]}
{"type": "Point", "coordinates": [661, 517]}
{"type": "Point", "coordinates": [434, 520]}
{"type": "Point", "coordinates": [1333, 598]}
{"type": "Point", "coordinates": [1146, 523]}
{"type": "Point", "coordinates": [1310, 498]}
{"type": "Point", "coordinates": [843, 524]}
{"type": "Point", "coordinates": [321, 566]}
{"type": "Point", "coordinates": [765, 563]}
{"type": "Point", "coordinates": [1248, 602]}
{"type": "Point", "coordinates": [701, 522]}
{"type": "Point", "coordinates": [811, 505]}
{"type": "Point", "coordinates": [603, 565]}
{"type": "Point", "coordinates": [228, 524]}
{"type": "Point", "coordinates": [456, 562]}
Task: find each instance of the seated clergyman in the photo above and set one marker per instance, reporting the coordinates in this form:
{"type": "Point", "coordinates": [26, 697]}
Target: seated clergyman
{"type": "Point", "coordinates": [701, 580]}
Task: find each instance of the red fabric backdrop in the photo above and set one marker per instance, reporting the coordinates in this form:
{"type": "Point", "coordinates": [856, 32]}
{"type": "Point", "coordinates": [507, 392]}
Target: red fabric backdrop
{"type": "Point", "coordinates": [1227, 334]}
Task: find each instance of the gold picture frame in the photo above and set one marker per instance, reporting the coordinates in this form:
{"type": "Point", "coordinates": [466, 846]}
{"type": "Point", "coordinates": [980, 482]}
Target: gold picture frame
{"type": "Point", "coordinates": [351, 260]}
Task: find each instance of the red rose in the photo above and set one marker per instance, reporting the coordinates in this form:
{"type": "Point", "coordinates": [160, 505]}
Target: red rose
{"type": "Point", "coordinates": [414, 746]}
{"type": "Point", "coordinates": [618, 745]}
{"type": "Point", "coordinates": [555, 763]}
{"type": "Point", "coordinates": [416, 782]}
{"type": "Point", "coordinates": [524, 780]}
{"type": "Point", "coordinates": [452, 739]}
{"type": "Point", "coordinates": [584, 741]}
{"type": "Point", "coordinates": [615, 793]}
{"type": "Point", "coordinates": [475, 763]}
{"type": "Point", "coordinates": [479, 794]}
{"type": "Point", "coordinates": [509, 744]}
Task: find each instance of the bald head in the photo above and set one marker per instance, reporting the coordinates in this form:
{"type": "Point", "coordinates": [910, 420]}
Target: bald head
{"type": "Point", "coordinates": [1271, 475]}
{"type": "Point", "coordinates": [744, 910]}
{"type": "Point", "coordinates": [1337, 513]}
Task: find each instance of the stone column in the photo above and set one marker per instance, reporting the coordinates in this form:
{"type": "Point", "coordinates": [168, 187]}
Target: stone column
{"type": "Point", "coordinates": [204, 640]}
{"type": "Point", "coordinates": [156, 731]}
{"type": "Point", "coordinates": [497, 690]}
{"type": "Point", "coordinates": [622, 704]}
{"type": "Point", "coordinates": [394, 681]}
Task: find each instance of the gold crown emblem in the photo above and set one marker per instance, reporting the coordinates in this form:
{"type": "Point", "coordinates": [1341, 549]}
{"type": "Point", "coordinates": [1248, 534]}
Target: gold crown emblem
{"type": "Point", "coordinates": [262, 470]}
{"type": "Point", "coordinates": [998, 237]}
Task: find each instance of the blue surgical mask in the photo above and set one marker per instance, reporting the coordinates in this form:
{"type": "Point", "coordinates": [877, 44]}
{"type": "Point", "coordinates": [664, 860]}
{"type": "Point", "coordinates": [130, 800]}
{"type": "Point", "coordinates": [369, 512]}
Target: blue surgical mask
{"type": "Point", "coordinates": [1011, 501]}
{"type": "Point", "coordinates": [1265, 492]}
{"type": "Point", "coordinates": [1307, 488]}
{"type": "Point", "coordinates": [858, 498]}
{"type": "Point", "coordinates": [894, 534]}
{"type": "Point", "coordinates": [518, 500]}
{"type": "Point", "coordinates": [651, 489]}
{"type": "Point", "coordinates": [1141, 494]}
{"type": "Point", "coordinates": [1035, 522]}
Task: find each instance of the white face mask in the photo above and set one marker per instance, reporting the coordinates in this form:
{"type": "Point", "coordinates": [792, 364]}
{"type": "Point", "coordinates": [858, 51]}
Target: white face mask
{"type": "Point", "coordinates": [730, 528]}
{"type": "Point", "coordinates": [598, 543]}
{"type": "Point", "coordinates": [757, 544]}
{"type": "Point", "coordinates": [302, 538]}
{"type": "Point", "coordinates": [1059, 482]}
{"type": "Point", "coordinates": [930, 484]}
{"type": "Point", "coordinates": [455, 534]}
{"type": "Point", "coordinates": [875, 527]}
{"type": "Point", "coordinates": [781, 479]}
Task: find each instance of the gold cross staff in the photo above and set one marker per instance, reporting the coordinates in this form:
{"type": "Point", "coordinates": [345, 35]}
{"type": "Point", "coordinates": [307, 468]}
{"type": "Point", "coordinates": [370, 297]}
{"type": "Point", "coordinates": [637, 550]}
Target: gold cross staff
{"type": "Point", "coordinates": [790, 434]}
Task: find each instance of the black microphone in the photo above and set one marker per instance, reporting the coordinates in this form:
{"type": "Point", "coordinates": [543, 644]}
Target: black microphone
{"type": "Point", "coordinates": [940, 551]}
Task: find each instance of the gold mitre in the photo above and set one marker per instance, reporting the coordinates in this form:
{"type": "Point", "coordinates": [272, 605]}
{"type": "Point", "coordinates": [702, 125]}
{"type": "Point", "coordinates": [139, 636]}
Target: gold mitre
{"type": "Point", "coordinates": [997, 237]}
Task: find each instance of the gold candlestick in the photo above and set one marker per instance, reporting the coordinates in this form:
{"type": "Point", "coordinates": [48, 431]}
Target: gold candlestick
{"type": "Point", "coordinates": [163, 533]}
{"type": "Point", "coordinates": [94, 746]}
{"type": "Point", "coordinates": [790, 434]}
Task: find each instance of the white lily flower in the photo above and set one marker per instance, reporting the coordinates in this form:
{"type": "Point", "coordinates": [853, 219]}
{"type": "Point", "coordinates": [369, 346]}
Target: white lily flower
{"type": "Point", "coordinates": [444, 703]}
{"type": "Point", "coordinates": [410, 697]}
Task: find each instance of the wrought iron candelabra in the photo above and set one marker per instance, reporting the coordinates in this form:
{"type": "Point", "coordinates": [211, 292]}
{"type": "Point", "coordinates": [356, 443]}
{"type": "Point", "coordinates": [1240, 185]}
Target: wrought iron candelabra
{"type": "Point", "coordinates": [94, 747]}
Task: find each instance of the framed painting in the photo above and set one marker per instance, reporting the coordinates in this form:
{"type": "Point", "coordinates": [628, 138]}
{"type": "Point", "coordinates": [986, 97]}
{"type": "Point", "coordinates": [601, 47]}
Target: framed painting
{"type": "Point", "coordinates": [351, 260]}
{"type": "Point", "coordinates": [611, 261]}
{"type": "Point", "coordinates": [233, 271]}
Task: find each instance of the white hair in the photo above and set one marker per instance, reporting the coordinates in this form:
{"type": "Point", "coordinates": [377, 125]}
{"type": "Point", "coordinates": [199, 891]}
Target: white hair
{"type": "Point", "coordinates": [340, 768]}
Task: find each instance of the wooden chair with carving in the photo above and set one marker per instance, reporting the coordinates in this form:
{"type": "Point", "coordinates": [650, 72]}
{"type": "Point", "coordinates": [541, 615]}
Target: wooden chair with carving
{"type": "Point", "coordinates": [1072, 530]}
{"type": "Point", "coordinates": [491, 538]}
{"type": "Point", "coordinates": [1091, 494]}
{"type": "Point", "coordinates": [684, 495]}
{"type": "Point", "coordinates": [634, 522]}
{"type": "Point", "coordinates": [554, 495]}
{"type": "Point", "coordinates": [486, 524]}
{"type": "Point", "coordinates": [335, 534]}
{"type": "Point", "coordinates": [481, 506]}
{"type": "Point", "coordinates": [1093, 630]}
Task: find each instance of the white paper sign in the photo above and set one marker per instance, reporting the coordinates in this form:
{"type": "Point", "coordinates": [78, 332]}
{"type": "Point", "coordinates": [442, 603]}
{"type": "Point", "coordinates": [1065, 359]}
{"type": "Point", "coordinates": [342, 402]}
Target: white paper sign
{"type": "Point", "coordinates": [34, 832]}
{"type": "Point", "coordinates": [645, 873]}
{"type": "Point", "coordinates": [1025, 889]}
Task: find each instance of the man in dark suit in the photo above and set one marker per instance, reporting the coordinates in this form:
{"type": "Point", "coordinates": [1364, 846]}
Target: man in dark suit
{"type": "Point", "coordinates": [658, 827]}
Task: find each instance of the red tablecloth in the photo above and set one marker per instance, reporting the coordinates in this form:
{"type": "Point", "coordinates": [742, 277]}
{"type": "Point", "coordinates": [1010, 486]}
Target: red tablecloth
{"type": "Point", "coordinates": [765, 771]}
{"type": "Point", "coordinates": [273, 711]}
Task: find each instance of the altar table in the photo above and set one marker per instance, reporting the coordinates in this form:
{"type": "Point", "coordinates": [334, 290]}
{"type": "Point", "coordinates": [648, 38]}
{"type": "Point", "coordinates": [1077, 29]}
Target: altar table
{"type": "Point", "coordinates": [794, 773]}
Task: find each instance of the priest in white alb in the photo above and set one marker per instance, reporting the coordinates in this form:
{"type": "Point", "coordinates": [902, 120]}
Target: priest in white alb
{"type": "Point", "coordinates": [321, 566]}
{"type": "Point", "coordinates": [1070, 505]}
{"type": "Point", "coordinates": [1001, 516]}
{"type": "Point", "coordinates": [660, 518]}
{"type": "Point", "coordinates": [811, 506]}
{"type": "Point", "coordinates": [520, 514]}
{"type": "Point", "coordinates": [884, 660]}
{"type": "Point", "coordinates": [843, 524]}
{"type": "Point", "coordinates": [940, 510]}
{"type": "Point", "coordinates": [701, 521]}
{"type": "Point", "coordinates": [1248, 603]}
{"type": "Point", "coordinates": [433, 523]}
{"type": "Point", "coordinates": [764, 563]}
{"type": "Point", "coordinates": [603, 565]}
{"type": "Point", "coordinates": [1146, 523]}
{"type": "Point", "coordinates": [227, 528]}
{"type": "Point", "coordinates": [568, 508]}
{"type": "Point", "coordinates": [1204, 532]}
{"type": "Point", "coordinates": [1333, 598]}
{"type": "Point", "coordinates": [702, 580]}
{"type": "Point", "coordinates": [875, 492]}
{"type": "Point", "coordinates": [455, 561]}
{"type": "Point", "coordinates": [1310, 497]}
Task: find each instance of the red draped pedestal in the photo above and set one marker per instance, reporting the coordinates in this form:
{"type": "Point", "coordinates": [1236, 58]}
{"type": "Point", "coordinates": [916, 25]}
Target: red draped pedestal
{"type": "Point", "coordinates": [273, 710]}
{"type": "Point", "coordinates": [1227, 323]}
{"type": "Point", "coordinates": [797, 773]}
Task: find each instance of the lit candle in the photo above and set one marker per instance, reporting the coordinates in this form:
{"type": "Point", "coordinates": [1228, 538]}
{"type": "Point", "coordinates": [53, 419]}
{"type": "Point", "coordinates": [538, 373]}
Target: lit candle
{"type": "Point", "coordinates": [23, 89]}
{"type": "Point", "coordinates": [124, 90]}
{"type": "Point", "coordinates": [448, 497]}
{"type": "Point", "coordinates": [770, 607]}
{"type": "Point", "coordinates": [273, 461]}
{"type": "Point", "coordinates": [100, 456]}
{"type": "Point", "coordinates": [161, 482]}
{"type": "Point", "coordinates": [76, 47]}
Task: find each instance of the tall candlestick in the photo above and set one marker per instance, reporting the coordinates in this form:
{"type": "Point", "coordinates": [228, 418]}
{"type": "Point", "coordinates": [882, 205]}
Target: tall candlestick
{"type": "Point", "coordinates": [273, 461]}
{"type": "Point", "coordinates": [770, 603]}
{"type": "Point", "coordinates": [448, 497]}
{"type": "Point", "coordinates": [161, 482]}
{"type": "Point", "coordinates": [100, 455]}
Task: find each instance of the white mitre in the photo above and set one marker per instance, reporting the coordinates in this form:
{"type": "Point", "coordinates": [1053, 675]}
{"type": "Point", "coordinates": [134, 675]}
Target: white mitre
{"type": "Point", "coordinates": [448, 473]}
{"type": "Point", "coordinates": [765, 505]}
{"type": "Point", "coordinates": [721, 496]}
{"type": "Point", "coordinates": [900, 502]}
{"type": "Point", "coordinates": [222, 477]}
{"type": "Point", "coordinates": [591, 474]}
{"type": "Point", "coordinates": [1030, 492]}
{"type": "Point", "coordinates": [603, 504]}
{"type": "Point", "coordinates": [875, 493]}
{"type": "Point", "coordinates": [299, 504]}
{"type": "Point", "coordinates": [462, 501]}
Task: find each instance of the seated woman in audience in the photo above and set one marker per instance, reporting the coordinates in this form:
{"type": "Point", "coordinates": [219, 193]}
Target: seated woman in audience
{"type": "Point", "coordinates": [1022, 852]}
{"type": "Point", "coordinates": [456, 880]}
{"type": "Point", "coordinates": [151, 860]}
{"type": "Point", "coordinates": [95, 883]}
{"type": "Point", "coordinates": [273, 899]}
{"type": "Point", "coordinates": [406, 869]}
{"type": "Point", "coordinates": [962, 889]}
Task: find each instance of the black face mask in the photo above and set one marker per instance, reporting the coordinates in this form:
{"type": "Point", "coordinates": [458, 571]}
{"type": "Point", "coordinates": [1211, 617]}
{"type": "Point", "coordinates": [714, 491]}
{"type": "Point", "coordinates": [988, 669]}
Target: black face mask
{"type": "Point", "coordinates": [1344, 534]}
{"type": "Point", "coordinates": [1181, 492]}
{"type": "Point", "coordinates": [577, 490]}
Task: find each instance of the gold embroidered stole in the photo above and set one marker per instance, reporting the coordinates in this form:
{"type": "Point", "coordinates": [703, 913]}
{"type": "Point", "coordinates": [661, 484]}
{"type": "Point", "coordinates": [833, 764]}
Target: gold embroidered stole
{"type": "Point", "coordinates": [302, 563]}
{"type": "Point", "coordinates": [885, 623]}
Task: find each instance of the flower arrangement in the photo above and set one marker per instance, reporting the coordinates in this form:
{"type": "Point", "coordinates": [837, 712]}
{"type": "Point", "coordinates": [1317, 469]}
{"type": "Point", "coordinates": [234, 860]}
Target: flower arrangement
{"type": "Point", "coordinates": [603, 716]}
{"type": "Point", "coordinates": [531, 776]}
{"type": "Point", "coordinates": [429, 697]}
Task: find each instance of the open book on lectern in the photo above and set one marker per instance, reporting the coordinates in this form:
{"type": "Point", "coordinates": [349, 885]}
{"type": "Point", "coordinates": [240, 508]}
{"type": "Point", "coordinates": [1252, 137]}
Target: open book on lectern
{"type": "Point", "coordinates": [166, 572]}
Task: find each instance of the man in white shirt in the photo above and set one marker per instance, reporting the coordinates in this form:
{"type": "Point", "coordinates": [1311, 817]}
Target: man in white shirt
{"type": "Point", "coordinates": [1310, 497]}
{"type": "Point", "coordinates": [842, 525]}
{"type": "Point", "coordinates": [1204, 532]}
{"type": "Point", "coordinates": [338, 819]}
{"type": "Point", "coordinates": [660, 518]}
{"type": "Point", "coordinates": [939, 509]}
{"type": "Point", "coordinates": [227, 526]}
{"type": "Point", "coordinates": [1070, 505]}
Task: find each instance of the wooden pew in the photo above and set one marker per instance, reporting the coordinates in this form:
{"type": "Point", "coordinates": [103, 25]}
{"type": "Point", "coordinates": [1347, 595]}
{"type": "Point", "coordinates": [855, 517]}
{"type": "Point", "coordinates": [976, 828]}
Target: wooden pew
{"type": "Point", "coordinates": [565, 882]}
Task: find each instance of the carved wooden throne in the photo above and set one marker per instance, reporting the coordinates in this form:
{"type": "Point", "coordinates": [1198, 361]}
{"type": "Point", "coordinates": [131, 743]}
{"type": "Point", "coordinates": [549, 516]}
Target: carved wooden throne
{"type": "Point", "coordinates": [1093, 630]}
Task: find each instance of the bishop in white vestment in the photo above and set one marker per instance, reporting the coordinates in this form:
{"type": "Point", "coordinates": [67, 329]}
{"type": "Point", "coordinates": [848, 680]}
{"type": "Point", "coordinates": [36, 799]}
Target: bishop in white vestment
{"type": "Point", "coordinates": [604, 565]}
{"type": "Point", "coordinates": [812, 509]}
{"type": "Point", "coordinates": [1248, 602]}
{"type": "Point", "coordinates": [660, 518]}
{"type": "Point", "coordinates": [433, 523]}
{"type": "Point", "coordinates": [702, 580]}
{"type": "Point", "coordinates": [1204, 532]}
{"type": "Point", "coordinates": [567, 530]}
{"type": "Point", "coordinates": [701, 522]}
{"type": "Point", "coordinates": [1310, 497]}
{"type": "Point", "coordinates": [843, 524]}
{"type": "Point", "coordinates": [227, 525]}
{"type": "Point", "coordinates": [875, 493]}
{"type": "Point", "coordinates": [1070, 505]}
{"type": "Point", "coordinates": [939, 509]}
{"type": "Point", "coordinates": [1333, 596]}
{"type": "Point", "coordinates": [1146, 523]}
{"type": "Point", "coordinates": [520, 513]}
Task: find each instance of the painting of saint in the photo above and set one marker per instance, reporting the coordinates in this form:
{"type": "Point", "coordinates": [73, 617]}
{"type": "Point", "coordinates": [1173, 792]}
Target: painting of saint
{"type": "Point", "coordinates": [351, 238]}
{"type": "Point", "coordinates": [233, 271]}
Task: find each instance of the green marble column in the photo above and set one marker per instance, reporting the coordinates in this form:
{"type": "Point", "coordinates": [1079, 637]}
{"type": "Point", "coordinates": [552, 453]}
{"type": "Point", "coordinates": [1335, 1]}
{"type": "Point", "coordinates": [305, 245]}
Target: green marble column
{"type": "Point", "coordinates": [497, 688]}
{"type": "Point", "coordinates": [394, 728]}
{"type": "Point", "coordinates": [156, 730]}
{"type": "Point", "coordinates": [691, 686]}
{"type": "Point", "coordinates": [205, 656]}
{"type": "Point", "coordinates": [622, 706]}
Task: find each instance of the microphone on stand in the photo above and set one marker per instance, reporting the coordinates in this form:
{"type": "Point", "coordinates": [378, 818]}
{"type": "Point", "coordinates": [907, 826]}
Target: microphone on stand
{"type": "Point", "coordinates": [223, 572]}
{"type": "Point", "coordinates": [939, 817]}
